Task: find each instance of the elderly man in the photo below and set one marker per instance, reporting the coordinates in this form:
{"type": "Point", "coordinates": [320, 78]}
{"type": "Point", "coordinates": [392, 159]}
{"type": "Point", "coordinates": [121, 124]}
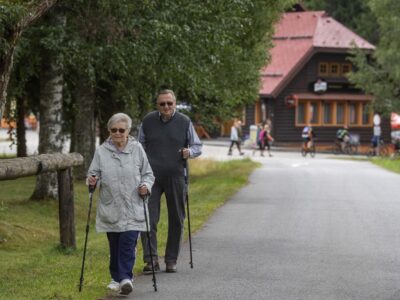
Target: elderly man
{"type": "Point", "coordinates": [168, 138]}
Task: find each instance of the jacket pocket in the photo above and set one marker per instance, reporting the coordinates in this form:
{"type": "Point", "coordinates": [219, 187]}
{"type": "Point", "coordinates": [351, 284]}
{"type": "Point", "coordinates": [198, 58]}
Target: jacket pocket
{"type": "Point", "coordinates": [109, 213]}
{"type": "Point", "coordinates": [138, 212]}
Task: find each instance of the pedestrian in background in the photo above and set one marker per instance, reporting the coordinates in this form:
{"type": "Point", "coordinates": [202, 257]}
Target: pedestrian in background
{"type": "Point", "coordinates": [121, 168]}
{"type": "Point", "coordinates": [268, 139]}
{"type": "Point", "coordinates": [236, 139]}
{"type": "Point", "coordinates": [168, 138]}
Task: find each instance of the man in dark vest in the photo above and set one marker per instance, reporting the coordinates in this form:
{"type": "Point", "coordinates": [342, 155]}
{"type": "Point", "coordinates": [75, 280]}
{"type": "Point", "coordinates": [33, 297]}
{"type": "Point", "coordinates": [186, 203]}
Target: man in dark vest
{"type": "Point", "coordinates": [168, 138]}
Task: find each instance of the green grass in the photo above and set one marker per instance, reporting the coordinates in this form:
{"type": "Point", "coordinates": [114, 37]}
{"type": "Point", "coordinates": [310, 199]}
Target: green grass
{"type": "Point", "coordinates": [5, 156]}
{"type": "Point", "coordinates": [387, 163]}
{"type": "Point", "coordinates": [34, 267]}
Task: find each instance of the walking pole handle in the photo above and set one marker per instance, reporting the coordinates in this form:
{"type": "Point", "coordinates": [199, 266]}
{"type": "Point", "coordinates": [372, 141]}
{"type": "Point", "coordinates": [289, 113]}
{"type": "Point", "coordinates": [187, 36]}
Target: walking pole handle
{"type": "Point", "coordinates": [92, 188]}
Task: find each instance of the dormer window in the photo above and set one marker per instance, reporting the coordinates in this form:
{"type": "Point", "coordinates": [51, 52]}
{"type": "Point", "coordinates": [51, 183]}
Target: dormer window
{"type": "Point", "coordinates": [333, 69]}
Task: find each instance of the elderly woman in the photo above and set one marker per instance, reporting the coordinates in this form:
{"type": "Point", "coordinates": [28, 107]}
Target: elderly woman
{"type": "Point", "coordinates": [123, 173]}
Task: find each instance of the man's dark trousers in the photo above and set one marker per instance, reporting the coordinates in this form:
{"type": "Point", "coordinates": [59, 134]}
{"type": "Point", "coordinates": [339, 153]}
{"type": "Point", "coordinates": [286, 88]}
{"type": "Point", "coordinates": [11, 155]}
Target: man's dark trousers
{"type": "Point", "coordinates": [174, 188]}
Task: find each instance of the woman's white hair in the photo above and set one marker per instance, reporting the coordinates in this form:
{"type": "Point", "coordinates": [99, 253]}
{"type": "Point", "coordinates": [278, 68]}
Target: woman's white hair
{"type": "Point", "coordinates": [119, 117]}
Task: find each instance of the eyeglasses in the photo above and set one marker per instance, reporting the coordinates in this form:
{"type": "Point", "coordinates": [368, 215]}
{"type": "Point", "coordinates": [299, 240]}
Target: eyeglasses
{"type": "Point", "coordinates": [120, 130]}
{"type": "Point", "coordinates": [169, 103]}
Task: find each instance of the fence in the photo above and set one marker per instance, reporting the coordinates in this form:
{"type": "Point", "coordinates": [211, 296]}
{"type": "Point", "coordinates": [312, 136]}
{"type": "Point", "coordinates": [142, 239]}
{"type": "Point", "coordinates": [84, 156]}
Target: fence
{"type": "Point", "coordinates": [62, 163]}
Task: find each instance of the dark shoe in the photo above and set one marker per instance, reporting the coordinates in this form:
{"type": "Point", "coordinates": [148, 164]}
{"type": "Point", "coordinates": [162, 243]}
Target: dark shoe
{"type": "Point", "coordinates": [147, 268]}
{"type": "Point", "coordinates": [170, 267]}
{"type": "Point", "coordinates": [241, 153]}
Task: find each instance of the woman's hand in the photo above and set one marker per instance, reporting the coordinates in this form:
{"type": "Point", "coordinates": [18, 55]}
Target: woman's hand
{"type": "Point", "coordinates": [143, 191]}
{"type": "Point", "coordinates": [91, 180]}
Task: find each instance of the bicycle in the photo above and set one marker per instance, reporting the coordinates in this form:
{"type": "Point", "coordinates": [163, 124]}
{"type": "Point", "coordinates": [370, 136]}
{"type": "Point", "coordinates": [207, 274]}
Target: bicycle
{"type": "Point", "coordinates": [343, 148]}
{"type": "Point", "coordinates": [305, 149]}
{"type": "Point", "coordinates": [349, 146]}
{"type": "Point", "coordinates": [384, 150]}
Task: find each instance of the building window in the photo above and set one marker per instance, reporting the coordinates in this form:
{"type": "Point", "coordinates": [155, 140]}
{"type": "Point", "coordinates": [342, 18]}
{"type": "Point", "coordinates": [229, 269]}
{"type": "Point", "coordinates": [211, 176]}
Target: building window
{"type": "Point", "coordinates": [352, 114]}
{"type": "Point", "coordinates": [314, 113]}
{"type": "Point", "coordinates": [301, 115]}
{"type": "Point", "coordinates": [340, 113]}
{"type": "Point", "coordinates": [333, 113]}
{"type": "Point", "coordinates": [323, 69]}
{"type": "Point", "coordinates": [366, 114]}
{"type": "Point", "coordinates": [333, 69]}
{"type": "Point", "coordinates": [328, 112]}
{"type": "Point", "coordinates": [346, 68]}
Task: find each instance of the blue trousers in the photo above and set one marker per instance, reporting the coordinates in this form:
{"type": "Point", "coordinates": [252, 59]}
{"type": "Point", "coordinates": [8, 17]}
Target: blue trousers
{"type": "Point", "coordinates": [122, 253]}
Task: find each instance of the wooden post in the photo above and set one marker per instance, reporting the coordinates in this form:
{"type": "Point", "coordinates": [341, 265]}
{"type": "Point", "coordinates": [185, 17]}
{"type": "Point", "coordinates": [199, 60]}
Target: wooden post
{"type": "Point", "coordinates": [66, 208]}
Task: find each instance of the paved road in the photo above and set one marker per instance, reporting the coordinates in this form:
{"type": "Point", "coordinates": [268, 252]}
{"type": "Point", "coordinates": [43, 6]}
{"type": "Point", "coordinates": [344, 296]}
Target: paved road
{"type": "Point", "coordinates": [302, 229]}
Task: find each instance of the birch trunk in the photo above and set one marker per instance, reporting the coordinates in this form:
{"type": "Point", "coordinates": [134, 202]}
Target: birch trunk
{"type": "Point", "coordinates": [50, 116]}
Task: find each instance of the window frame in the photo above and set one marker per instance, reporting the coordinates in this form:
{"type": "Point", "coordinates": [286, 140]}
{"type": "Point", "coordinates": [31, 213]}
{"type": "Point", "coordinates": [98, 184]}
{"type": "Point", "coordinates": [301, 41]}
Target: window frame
{"type": "Point", "coordinates": [359, 106]}
{"type": "Point", "coordinates": [328, 65]}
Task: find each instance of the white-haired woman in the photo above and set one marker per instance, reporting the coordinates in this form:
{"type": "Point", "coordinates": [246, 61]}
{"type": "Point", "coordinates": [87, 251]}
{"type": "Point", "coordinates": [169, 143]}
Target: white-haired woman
{"type": "Point", "coordinates": [124, 176]}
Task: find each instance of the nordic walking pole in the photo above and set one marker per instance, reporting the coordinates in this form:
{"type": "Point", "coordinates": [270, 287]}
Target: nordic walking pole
{"type": "Point", "coordinates": [149, 244]}
{"type": "Point", "coordinates": [91, 191]}
{"type": "Point", "coordinates": [185, 170]}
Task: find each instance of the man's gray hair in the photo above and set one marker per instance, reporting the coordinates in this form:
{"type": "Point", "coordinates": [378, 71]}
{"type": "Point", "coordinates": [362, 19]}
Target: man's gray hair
{"type": "Point", "coordinates": [166, 91]}
{"type": "Point", "coordinates": [119, 117]}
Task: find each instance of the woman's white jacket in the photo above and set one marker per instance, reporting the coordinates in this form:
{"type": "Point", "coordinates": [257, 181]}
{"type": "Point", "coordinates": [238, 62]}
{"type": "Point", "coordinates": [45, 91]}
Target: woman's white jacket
{"type": "Point", "coordinates": [120, 207]}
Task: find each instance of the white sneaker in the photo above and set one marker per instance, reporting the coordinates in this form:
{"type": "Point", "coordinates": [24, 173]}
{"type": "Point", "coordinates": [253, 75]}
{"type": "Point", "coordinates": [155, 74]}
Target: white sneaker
{"type": "Point", "coordinates": [126, 286]}
{"type": "Point", "coordinates": [113, 285]}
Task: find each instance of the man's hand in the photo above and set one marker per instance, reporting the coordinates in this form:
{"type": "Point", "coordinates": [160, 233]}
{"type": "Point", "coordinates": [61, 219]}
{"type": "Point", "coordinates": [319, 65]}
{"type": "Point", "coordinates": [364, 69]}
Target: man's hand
{"type": "Point", "coordinates": [185, 153]}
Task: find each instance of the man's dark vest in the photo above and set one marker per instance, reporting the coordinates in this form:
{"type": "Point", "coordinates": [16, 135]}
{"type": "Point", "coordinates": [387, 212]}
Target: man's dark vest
{"type": "Point", "coordinates": [163, 142]}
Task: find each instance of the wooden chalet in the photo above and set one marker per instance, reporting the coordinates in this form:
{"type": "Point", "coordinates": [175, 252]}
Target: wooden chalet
{"type": "Point", "coordinates": [311, 46]}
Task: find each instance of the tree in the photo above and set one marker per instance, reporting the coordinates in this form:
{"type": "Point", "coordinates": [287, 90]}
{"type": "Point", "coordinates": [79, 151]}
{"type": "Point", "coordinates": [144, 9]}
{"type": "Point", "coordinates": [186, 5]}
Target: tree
{"type": "Point", "coordinates": [15, 17]}
{"type": "Point", "coordinates": [355, 14]}
{"type": "Point", "coordinates": [51, 103]}
{"type": "Point", "coordinates": [379, 73]}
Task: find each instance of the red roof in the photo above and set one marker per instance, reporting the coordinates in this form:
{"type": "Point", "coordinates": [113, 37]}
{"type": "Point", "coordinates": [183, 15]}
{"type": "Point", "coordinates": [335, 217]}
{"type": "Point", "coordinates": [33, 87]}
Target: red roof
{"type": "Point", "coordinates": [297, 36]}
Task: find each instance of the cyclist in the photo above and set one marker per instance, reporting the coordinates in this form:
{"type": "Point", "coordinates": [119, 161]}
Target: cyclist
{"type": "Point", "coordinates": [343, 137]}
{"type": "Point", "coordinates": [307, 135]}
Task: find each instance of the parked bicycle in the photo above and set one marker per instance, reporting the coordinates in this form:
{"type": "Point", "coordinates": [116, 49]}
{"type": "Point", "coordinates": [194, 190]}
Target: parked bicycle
{"type": "Point", "coordinates": [380, 149]}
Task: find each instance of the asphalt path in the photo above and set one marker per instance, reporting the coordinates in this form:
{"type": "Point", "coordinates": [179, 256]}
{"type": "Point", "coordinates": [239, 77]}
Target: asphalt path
{"type": "Point", "coordinates": [302, 228]}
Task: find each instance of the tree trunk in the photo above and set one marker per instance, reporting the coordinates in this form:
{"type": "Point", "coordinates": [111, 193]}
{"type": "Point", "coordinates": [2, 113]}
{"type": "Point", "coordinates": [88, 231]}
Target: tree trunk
{"type": "Point", "coordinates": [21, 129]}
{"type": "Point", "coordinates": [50, 116]}
{"type": "Point", "coordinates": [6, 63]}
{"type": "Point", "coordinates": [85, 127]}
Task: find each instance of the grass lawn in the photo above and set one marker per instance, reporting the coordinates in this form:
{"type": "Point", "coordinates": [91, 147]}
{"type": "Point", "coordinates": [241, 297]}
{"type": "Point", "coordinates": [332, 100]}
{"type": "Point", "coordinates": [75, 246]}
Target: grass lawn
{"type": "Point", "coordinates": [387, 163]}
{"type": "Point", "coordinates": [34, 267]}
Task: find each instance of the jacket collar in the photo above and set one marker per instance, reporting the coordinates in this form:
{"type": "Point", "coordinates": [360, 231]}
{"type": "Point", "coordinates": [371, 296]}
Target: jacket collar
{"type": "Point", "coordinates": [128, 148]}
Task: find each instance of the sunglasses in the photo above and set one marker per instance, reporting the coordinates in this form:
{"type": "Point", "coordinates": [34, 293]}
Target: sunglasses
{"type": "Point", "coordinates": [120, 130]}
{"type": "Point", "coordinates": [169, 103]}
